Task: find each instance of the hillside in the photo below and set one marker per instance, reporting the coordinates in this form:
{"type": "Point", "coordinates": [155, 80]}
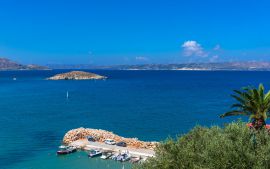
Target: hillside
{"type": "Point", "coordinates": [6, 64]}
{"type": "Point", "coordinates": [243, 66]}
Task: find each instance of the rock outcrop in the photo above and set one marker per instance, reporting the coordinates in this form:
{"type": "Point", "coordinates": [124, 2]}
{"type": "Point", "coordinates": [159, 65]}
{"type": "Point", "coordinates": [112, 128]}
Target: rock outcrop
{"type": "Point", "coordinates": [101, 135]}
{"type": "Point", "coordinates": [76, 75]}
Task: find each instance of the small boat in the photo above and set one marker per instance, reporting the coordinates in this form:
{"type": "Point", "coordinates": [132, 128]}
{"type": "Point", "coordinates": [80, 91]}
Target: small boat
{"type": "Point", "coordinates": [94, 153]}
{"type": "Point", "coordinates": [135, 159]}
{"type": "Point", "coordinates": [107, 154]}
{"type": "Point", "coordinates": [126, 157]}
{"type": "Point", "coordinates": [66, 150]}
{"type": "Point", "coordinates": [114, 156]}
{"type": "Point", "coordinates": [67, 95]}
{"type": "Point", "coordinates": [123, 157]}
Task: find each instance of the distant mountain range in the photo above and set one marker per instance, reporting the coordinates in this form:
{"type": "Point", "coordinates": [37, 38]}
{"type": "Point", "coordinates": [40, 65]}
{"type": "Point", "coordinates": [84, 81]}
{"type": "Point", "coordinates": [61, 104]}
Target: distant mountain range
{"type": "Point", "coordinates": [244, 66]}
{"type": "Point", "coordinates": [6, 64]}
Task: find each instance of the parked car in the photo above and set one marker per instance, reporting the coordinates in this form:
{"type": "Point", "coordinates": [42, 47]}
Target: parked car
{"type": "Point", "coordinates": [121, 144]}
{"type": "Point", "coordinates": [91, 138]}
{"type": "Point", "coordinates": [110, 142]}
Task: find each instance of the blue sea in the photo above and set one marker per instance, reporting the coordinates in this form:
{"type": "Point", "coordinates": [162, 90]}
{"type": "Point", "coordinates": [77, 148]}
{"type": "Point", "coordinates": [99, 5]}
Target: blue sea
{"type": "Point", "coordinates": [149, 105]}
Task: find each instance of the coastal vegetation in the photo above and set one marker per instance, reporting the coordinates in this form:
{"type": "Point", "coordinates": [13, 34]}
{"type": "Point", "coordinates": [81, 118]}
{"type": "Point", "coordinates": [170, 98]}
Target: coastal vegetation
{"type": "Point", "coordinates": [234, 146]}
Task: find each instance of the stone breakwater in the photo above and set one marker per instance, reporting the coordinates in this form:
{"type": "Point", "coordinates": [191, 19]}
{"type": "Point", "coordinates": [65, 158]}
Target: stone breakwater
{"type": "Point", "coordinates": [101, 135]}
{"type": "Point", "coordinates": [76, 75]}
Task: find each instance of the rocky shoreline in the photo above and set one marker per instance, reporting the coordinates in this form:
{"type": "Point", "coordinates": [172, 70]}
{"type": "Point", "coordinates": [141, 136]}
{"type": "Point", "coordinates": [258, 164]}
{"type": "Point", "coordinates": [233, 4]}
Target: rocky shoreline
{"type": "Point", "coordinates": [77, 75]}
{"type": "Point", "coordinates": [101, 135]}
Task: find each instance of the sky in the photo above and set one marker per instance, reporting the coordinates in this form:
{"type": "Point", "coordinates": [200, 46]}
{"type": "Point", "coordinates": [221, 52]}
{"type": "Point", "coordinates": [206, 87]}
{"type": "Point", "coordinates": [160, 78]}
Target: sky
{"type": "Point", "coordinates": [103, 32]}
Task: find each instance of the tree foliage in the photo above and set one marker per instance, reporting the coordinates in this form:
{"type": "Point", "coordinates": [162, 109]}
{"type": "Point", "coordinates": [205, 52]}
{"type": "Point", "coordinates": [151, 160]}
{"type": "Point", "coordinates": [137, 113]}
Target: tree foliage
{"type": "Point", "coordinates": [251, 102]}
{"type": "Point", "coordinates": [233, 147]}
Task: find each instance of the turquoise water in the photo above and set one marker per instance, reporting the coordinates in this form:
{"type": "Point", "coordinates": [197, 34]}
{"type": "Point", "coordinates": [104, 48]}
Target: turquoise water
{"type": "Point", "coordinates": [150, 105]}
{"type": "Point", "coordinates": [78, 160]}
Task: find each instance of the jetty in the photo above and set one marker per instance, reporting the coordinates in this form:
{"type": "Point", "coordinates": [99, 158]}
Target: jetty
{"type": "Point", "coordinates": [84, 144]}
{"type": "Point", "coordinates": [79, 138]}
{"type": "Point", "coordinates": [101, 135]}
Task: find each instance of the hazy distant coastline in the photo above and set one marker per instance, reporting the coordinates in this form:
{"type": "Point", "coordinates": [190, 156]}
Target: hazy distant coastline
{"type": "Point", "coordinates": [229, 66]}
{"type": "Point", "coordinates": [6, 64]}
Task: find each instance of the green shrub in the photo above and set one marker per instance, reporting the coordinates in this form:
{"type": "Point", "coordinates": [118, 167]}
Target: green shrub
{"type": "Point", "coordinates": [233, 147]}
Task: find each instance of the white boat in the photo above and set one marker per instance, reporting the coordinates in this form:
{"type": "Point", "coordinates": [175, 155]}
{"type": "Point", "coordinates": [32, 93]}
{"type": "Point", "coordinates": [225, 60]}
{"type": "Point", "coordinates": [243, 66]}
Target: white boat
{"type": "Point", "coordinates": [94, 153]}
{"type": "Point", "coordinates": [135, 159]}
{"type": "Point", "coordinates": [126, 157]}
{"type": "Point", "coordinates": [62, 147]}
{"type": "Point", "coordinates": [106, 155]}
{"type": "Point", "coordinates": [66, 150]}
{"type": "Point", "coordinates": [123, 157]}
{"type": "Point", "coordinates": [114, 156]}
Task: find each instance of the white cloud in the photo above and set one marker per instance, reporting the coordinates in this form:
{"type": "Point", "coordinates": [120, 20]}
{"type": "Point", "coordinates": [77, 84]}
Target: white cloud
{"type": "Point", "coordinates": [140, 58]}
{"type": "Point", "coordinates": [217, 47]}
{"type": "Point", "coordinates": [214, 58]}
{"type": "Point", "coordinates": [193, 48]}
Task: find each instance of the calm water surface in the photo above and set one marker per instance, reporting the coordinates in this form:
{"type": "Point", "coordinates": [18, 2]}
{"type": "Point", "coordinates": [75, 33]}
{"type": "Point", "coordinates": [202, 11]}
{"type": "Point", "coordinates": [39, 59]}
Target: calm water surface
{"type": "Point", "coordinates": [150, 105]}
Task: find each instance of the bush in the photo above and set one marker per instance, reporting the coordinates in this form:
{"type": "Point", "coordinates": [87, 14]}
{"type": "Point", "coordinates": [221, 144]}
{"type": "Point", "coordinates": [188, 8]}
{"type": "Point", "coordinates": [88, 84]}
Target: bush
{"type": "Point", "coordinates": [233, 147]}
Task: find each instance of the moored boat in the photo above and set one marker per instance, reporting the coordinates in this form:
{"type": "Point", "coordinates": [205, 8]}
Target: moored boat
{"type": "Point", "coordinates": [66, 150]}
{"type": "Point", "coordinates": [135, 159]}
{"type": "Point", "coordinates": [106, 154]}
{"type": "Point", "coordinates": [94, 153]}
{"type": "Point", "coordinates": [123, 157]}
{"type": "Point", "coordinates": [114, 156]}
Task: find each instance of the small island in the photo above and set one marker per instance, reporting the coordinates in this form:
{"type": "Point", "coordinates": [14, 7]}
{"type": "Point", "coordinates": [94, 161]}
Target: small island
{"type": "Point", "coordinates": [77, 75]}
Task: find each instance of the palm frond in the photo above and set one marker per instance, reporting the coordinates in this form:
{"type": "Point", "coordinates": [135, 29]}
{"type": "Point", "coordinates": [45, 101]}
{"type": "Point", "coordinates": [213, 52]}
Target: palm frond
{"type": "Point", "coordinates": [237, 105]}
{"type": "Point", "coordinates": [233, 113]}
{"type": "Point", "coordinates": [261, 91]}
{"type": "Point", "coordinates": [251, 101]}
{"type": "Point", "coordinates": [239, 99]}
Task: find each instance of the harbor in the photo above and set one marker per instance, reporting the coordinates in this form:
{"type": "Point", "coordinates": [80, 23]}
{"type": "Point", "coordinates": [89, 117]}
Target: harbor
{"type": "Point", "coordinates": [114, 151]}
{"type": "Point", "coordinates": [84, 144]}
{"type": "Point", "coordinates": [106, 145]}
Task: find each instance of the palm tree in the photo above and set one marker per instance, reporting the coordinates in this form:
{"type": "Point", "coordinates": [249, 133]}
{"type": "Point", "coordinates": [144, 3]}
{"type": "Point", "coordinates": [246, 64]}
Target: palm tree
{"type": "Point", "coordinates": [251, 102]}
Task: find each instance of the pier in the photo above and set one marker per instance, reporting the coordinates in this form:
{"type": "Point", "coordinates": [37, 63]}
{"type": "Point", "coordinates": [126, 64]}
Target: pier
{"type": "Point", "coordinates": [87, 145]}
